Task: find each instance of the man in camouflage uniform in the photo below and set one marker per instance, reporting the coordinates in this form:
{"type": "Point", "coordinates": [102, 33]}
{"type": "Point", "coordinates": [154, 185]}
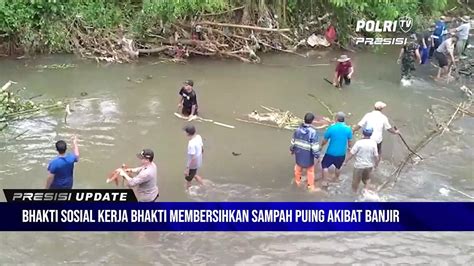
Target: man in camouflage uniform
{"type": "Point", "coordinates": [408, 54]}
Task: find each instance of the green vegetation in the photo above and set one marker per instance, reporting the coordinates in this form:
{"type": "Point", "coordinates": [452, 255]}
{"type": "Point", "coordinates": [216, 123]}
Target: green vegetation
{"type": "Point", "coordinates": [45, 25]}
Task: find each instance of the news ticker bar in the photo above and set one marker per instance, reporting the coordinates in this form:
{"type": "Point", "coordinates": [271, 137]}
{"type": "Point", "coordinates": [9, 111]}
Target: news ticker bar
{"type": "Point", "coordinates": [237, 216]}
{"type": "Point", "coordinates": [70, 195]}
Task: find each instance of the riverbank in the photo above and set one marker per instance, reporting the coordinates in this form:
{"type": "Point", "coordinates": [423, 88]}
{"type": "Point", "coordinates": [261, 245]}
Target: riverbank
{"type": "Point", "coordinates": [121, 32]}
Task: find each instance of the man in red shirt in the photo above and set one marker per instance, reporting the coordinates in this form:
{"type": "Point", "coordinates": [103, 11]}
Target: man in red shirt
{"type": "Point", "coordinates": [343, 72]}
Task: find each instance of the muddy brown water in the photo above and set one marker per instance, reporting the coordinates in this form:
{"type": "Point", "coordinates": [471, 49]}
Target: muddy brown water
{"type": "Point", "coordinates": [119, 117]}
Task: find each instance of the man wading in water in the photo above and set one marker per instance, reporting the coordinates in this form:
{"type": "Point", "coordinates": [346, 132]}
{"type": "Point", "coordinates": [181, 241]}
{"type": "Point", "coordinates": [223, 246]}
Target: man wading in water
{"type": "Point", "coordinates": [344, 71]}
{"type": "Point", "coordinates": [305, 147]}
{"type": "Point", "coordinates": [144, 184]}
{"type": "Point", "coordinates": [378, 122]}
{"type": "Point", "coordinates": [408, 54]}
{"type": "Point", "coordinates": [445, 56]}
{"type": "Point", "coordinates": [194, 154]}
{"type": "Point", "coordinates": [188, 100]}
{"type": "Point", "coordinates": [61, 168]}
{"type": "Point", "coordinates": [339, 136]}
{"type": "Point", "coordinates": [366, 158]}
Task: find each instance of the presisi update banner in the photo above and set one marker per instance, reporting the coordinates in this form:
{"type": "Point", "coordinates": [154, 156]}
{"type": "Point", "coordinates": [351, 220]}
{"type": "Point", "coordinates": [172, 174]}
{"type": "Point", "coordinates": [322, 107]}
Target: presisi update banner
{"type": "Point", "coordinates": [237, 216]}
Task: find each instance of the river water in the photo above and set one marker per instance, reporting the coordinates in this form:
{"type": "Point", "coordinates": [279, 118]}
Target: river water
{"type": "Point", "coordinates": [120, 116]}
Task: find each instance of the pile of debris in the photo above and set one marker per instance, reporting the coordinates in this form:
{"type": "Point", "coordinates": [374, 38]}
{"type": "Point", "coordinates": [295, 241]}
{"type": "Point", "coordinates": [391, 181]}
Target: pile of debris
{"type": "Point", "coordinates": [204, 35]}
{"type": "Point", "coordinates": [13, 107]}
{"type": "Point", "coordinates": [277, 118]}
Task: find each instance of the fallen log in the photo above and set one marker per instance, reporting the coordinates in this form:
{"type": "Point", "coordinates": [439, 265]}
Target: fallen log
{"type": "Point", "coordinates": [154, 50]}
{"type": "Point", "coordinates": [243, 26]}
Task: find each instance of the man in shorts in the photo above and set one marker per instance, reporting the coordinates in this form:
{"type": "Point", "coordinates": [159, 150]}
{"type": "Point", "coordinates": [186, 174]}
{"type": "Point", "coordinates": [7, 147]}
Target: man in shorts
{"type": "Point", "coordinates": [366, 158]}
{"type": "Point", "coordinates": [195, 151]}
{"type": "Point", "coordinates": [339, 136]}
{"type": "Point", "coordinates": [445, 56]}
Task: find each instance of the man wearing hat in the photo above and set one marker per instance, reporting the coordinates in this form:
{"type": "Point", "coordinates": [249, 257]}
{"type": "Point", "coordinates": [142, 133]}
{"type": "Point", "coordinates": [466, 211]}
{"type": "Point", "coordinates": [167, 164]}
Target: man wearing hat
{"type": "Point", "coordinates": [378, 122]}
{"type": "Point", "coordinates": [344, 71]}
{"type": "Point", "coordinates": [144, 184]}
{"type": "Point", "coordinates": [439, 31]}
{"type": "Point", "coordinates": [408, 54]}
{"type": "Point", "coordinates": [463, 33]}
{"type": "Point", "coordinates": [188, 100]}
{"type": "Point", "coordinates": [366, 158]}
{"type": "Point", "coordinates": [339, 136]}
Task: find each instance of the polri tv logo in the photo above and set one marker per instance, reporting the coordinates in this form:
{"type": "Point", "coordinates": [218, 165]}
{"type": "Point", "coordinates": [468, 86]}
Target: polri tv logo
{"type": "Point", "coordinates": [404, 24]}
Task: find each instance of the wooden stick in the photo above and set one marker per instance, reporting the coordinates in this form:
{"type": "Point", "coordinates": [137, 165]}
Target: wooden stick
{"type": "Point", "coordinates": [462, 109]}
{"type": "Point", "coordinates": [259, 123]}
{"type": "Point", "coordinates": [459, 191]}
{"type": "Point", "coordinates": [224, 125]}
{"type": "Point", "coordinates": [19, 135]}
{"type": "Point", "coordinates": [322, 103]}
{"type": "Point", "coordinates": [7, 85]}
{"type": "Point", "coordinates": [452, 117]}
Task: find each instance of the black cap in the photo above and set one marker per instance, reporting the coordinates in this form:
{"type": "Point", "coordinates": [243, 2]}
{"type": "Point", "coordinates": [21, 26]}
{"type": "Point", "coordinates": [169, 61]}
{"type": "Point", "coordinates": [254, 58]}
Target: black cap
{"type": "Point", "coordinates": [190, 129]}
{"type": "Point", "coordinates": [146, 154]}
{"type": "Point", "coordinates": [189, 82]}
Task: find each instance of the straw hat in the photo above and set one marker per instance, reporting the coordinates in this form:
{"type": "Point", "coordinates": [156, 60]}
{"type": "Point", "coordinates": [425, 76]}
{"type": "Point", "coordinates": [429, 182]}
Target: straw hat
{"type": "Point", "coordinates": [343, 58]}
{"type": "Point", "coordinates": [380, 105]}
{"type": "Point", "coordinates": [465, 19]}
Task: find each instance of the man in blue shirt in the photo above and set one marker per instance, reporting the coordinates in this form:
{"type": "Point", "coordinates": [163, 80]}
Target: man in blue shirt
{"type": "Point", "coordinates": [339, 136]}
{"type": "Point", "coordinates": [305, 147]}
{"type": "Point", "coordinates": [61, 168]}
{"type": "Point", "coordinates": [439, 31]}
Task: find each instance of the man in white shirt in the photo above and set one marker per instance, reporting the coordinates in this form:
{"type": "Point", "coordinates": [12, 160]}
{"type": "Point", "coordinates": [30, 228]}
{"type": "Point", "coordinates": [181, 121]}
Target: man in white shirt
{"type": "Point", "coordinates": [463, 33]}
{"type": "Point", "coordinates": [194, 154]}
{"type": "Point", "coordinates": [445, 56]}
{"type": "Point", "coordinates": [378, 122]}
{"type": "Point", "coordinates": [366, 154]}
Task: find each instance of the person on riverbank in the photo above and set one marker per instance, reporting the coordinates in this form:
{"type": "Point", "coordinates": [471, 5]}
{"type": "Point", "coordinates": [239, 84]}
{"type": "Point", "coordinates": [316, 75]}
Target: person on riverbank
{"type": "Point", "coordinates": [463, 35]}
{"type": "Point", "coordinates": [194, 156]}
{"type": "Point", "coordinates": [188, 100]}
{"type": "Point", "coordinates": [438, 34]}
{"type": "Point", "coordinates": [305, 147]}
{"type": "Point", "coordinates": [344, 71]}
{"type": "Point", "coordinates": [144, 182]}
{"type": "Point", "coordinates": [379, 123]}
{"type": "Point", "coordinates": [408, 55]}
{"type": "Point", "coordinates": [339, 136]}
{"type": "Point", "coordinates": [445, 56]}
{"type": "Point", "coordinates": [61, 168]}
{"type": "Point", "coordinates": [424, 42]}
{"type": "Point", "coordinates": [366, 159]}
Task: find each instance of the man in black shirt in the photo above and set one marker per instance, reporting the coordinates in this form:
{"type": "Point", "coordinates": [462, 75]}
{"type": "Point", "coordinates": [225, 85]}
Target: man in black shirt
{"type": "Point", "coordinates": [188, 99]}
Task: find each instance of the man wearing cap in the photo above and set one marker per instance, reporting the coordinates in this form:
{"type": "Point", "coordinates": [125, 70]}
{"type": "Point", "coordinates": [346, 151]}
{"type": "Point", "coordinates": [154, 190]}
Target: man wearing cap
{"type": "Point", "coordinates": [344, 71]}
{"type": "Point", "coordinates": [144, 184]}
{"type": "Point", "coordinates": [463, 34]}
{"type": "Point", "coordinates": [305, 147]}
{"type": "Point", "coordinates": [339, 136]}
{"type": "Point", "coordinates": [188, 100]}
{"type": "Point", "coordinates": [439, 31]}
{"type": "Point", "coordinates": [366, 158]}
{"type": "Point", "coordinates": [194, 154]}
{"type": "Point", "coordinates": [445, 56]}
{"type": "Point", "coordinates": [378, 122]}
{"type": "Point", "coordinates": [408, 54]}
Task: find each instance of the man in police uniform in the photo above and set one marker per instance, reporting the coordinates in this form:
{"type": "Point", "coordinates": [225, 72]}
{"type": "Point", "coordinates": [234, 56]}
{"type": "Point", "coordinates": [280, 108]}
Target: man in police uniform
{"type": "Point", "coordinates": [408, 54]}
